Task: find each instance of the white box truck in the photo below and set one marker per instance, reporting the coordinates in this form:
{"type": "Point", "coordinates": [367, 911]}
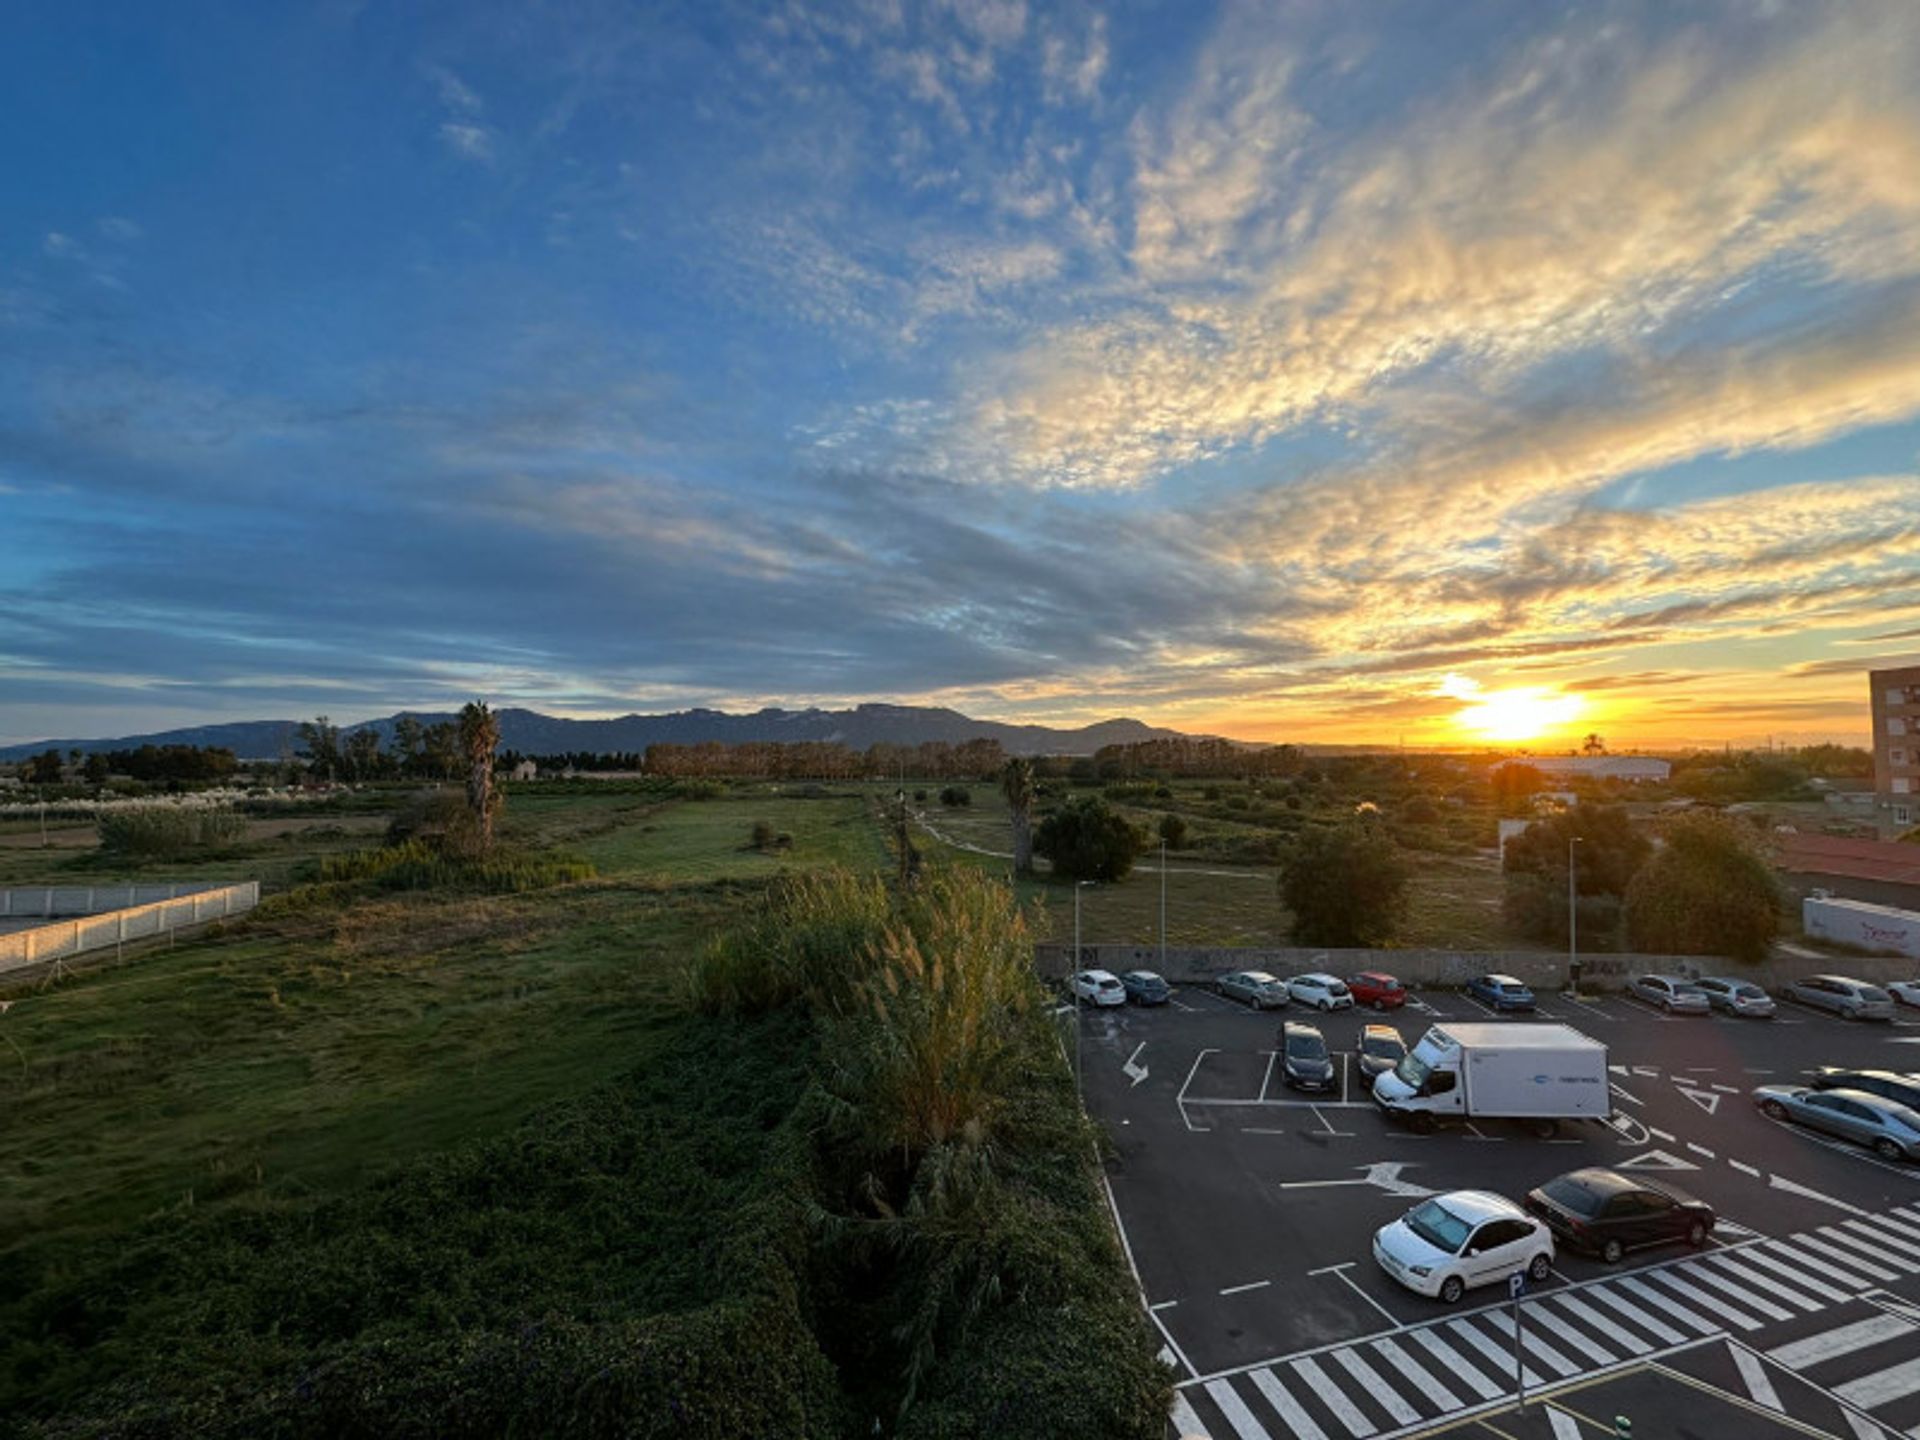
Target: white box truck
{"type": "Point", "coordinates": [1855, 922]}
{"type": "Point", "coordinates": [1498, 1070]}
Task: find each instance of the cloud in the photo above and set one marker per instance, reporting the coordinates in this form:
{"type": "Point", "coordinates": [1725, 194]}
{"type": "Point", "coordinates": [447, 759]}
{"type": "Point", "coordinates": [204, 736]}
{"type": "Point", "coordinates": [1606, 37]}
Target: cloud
{"type": "Point", "coordinates": [475, 142]}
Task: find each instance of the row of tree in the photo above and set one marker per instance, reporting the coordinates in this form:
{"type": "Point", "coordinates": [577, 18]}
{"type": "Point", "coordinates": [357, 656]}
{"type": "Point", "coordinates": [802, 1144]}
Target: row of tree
{"type": "Point", "coordinates": [826, 760]}
{"type": "Point", "coordinates": [419, 752]}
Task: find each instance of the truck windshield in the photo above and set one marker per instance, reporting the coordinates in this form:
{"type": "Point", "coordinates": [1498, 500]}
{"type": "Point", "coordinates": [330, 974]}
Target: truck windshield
{"type": "Point", "coordinates": [1439, 1227]}
{"type": "Point", "coordinates": [1413, 1071]}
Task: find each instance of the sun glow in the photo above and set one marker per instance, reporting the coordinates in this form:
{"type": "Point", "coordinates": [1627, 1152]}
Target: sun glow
{"type": "Point", "coordinates": [1520, 713]}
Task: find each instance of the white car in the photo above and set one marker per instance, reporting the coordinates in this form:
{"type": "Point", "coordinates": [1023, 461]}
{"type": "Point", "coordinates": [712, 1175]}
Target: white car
{"type": "Point", "coordinates": [1323, 992]}
{"type": "Point", "coordinates": [1905, 992]}
{"type": "Point", "coordinates": [1099, 987]}
{"type": "Point", "coordinates": [1453, 1242]}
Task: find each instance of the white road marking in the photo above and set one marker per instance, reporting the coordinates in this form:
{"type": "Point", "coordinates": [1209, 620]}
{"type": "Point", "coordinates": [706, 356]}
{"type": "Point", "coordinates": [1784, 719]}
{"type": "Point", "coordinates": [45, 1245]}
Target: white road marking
{"type": "Point", "coordinates": [1650, 1070]}
{"type": "Point", "coordinates": [1749, 1276]}
{"type": "Point", "coordinates": [1743, 1167]}
{"type": "Point", "coordinates": [1882, 1387]}
{"type": "Point", "coordinates": [1754, 1373]}
{"type": "Point", "coordinates": [1695, 1272]}
{"type": "Point", "coordinates": [1499, 1356]}
{"type": "Point", "coordinates": [1181, 1098]}
{"type": "Point", "coordinates": [1669, 1304]}
{"type": "Point", "coordinates": [1417, 1375]}
{"type": "Point", "coordinates": [1863, 1429]}
{"type": "Point", "coordinates": [1163, 1305]}
{"type": "Point", "coordinates": [1235, 1409]}
{"type": "Point", "coordinates": [1383, 1174]}
{"type": "Point", "coordinates": [1374, 1384]}
{"type": "Point", "coordinates": [1665, 1135]}
{"type": "Point", "coordinates": [1455, 1364]}
{"type": "Point", "coordinates": [1185, 1421]}
{"type": "Point", "coordinates": [1392, 1319]}
{"type": "Point", "coordinates": [1706, 1299]}
{"type": "Point", "coordinates": [1841, 1340]}
{"type": "Point", "coordinates": [1630, 1099]}
{"type": "Point", "coordinates": [1834, 1235]}
{"type": "Point", "coordinates": [1634, 1313]}
{"type": "Point", "coordinates": [1298, 1421]}
{"type": "Point", "coordinates": [1133, 1069]}
{"type": "Point", "coordinates": [1794, 1188]}
{"type": "Point", "coordinates": [1798, 1274]}
{"type": "Point", "coordinates": [1726, 1089]}
{"type": "Point", "coordinates": [1565, 1427]}
{"type": "Point", "coordinates": [1899, 1225]}
{"type": "Point", "coordinates": [1333, 1397]}
{"type": "Point", "coordinates": [1824, 1265]}
{"type": "Point", "coordinates": [1707, 1100]}
{"type": "Point", "coordinates": [1534, 1319]}
{"type": "Point", "coordinates": [1242, 1289]}
{"type": "Point", "coordinates": [1656, 1160]}
{"type": "Point", "coordinates": [1701, 1150]}
{"type": "Point", "coordinates": [1882, 1234]}
{"type": "Point", "coordinates": [1267, 1079]}
{"type": "Point", "coordinates": [1594, 1320]}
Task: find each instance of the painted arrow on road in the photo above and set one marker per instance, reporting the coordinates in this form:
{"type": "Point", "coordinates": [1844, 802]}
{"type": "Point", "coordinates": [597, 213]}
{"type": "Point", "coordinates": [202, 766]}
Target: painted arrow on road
{"type": "Point", "coordinates": [1135, 1072]}
{"type": "Point", "coordinates": [1382, 1174]}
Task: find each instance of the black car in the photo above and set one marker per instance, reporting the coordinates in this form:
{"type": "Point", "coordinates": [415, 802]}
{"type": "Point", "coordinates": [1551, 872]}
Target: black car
{"type": "Point", "coordinates": [1381, 1048]}
{"type": "Point", "coordinates": [1143, 987]}
{"type": "Point", "coordinates": [1901, 1089]}
{"type": "Point", "coordinates": [1305, 1062]}
{"type": "Point", "coordinates": [1607, 1214]}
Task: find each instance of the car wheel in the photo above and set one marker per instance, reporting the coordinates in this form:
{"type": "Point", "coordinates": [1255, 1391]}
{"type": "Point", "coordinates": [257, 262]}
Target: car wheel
{"type": "Point", "coordinates": [1667, 1006]}
{"type": "Point", "coordinates": [1697, 1234]}
{"type": "Point", "coordinates": [1774, 1110]}
{"type": "Point", "coordinates": [1886, 1148]}
{"type": "Point", "coordinates": [1544, 1128]}
{"type": "Point", "coordinates": [1612, 1251]}
{"type": "Point", "coordinates": [1379, 1004]}
{"type": "Point", "coordinates": [1850, 1013]}
{"type": "Point", "coordinates": [1539, 1268]}
{"type": "Point", "coordinates": [1451, 1289]}
{"type": "Point", "coordinates": [1325, 1006]}
{"type": "Point", "coordinates": [1423, 1123]}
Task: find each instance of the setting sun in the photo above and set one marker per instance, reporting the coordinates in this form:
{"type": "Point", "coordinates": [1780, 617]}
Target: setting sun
{"type": "Point", "coordinates": [1521, 713]}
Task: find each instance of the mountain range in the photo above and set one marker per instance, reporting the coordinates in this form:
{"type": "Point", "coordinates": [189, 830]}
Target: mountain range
{"type": "Point", "coordinates": [532, 733]}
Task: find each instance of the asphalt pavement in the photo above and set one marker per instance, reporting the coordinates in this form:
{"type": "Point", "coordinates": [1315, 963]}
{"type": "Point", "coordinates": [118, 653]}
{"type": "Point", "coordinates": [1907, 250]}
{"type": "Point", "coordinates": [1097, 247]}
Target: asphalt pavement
{"type": "Point", "coordinates": [1248, 1212]}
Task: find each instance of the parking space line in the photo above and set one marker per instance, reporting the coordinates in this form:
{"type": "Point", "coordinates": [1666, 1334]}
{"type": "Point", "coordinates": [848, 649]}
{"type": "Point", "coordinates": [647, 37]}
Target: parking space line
{"type": "Point", "coordinates": [1163, 1305]}
{"type": "Point", "coordinates": [1742, 1166]}
{"type": "Point", "coordinates": [1267, 1079]}
{"type": "Point", "coordinates": [1181, 1098]}
{"type": "Point", "coordinates": [1242, 1289]}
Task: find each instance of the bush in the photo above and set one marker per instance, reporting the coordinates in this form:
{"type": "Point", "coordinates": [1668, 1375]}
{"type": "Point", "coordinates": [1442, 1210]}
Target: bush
{"type": "Point", "coordinates": [956, 796]}
{"type": "Point", "coordinates": [763, 833]}
{"type": "Point", "coordinates": [1086, 840]}
{"type": "Point", "coordinates": [1610, 851]}
{"type": "Point", "coordinates": [1345, 884]}
{"type": "Point", "coordinates": [164, 832]}
{"type": "Point", "coordinates": [418, 865]}
{"type": "Point", "coordinates": [1173, 830]}
{"type": "Point", "coordinates": [812, 940]}
{"type": "Point", "coordinates": [1707, 892]}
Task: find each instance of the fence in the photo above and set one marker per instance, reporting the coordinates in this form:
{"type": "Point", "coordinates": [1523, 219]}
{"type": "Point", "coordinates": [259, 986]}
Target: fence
{"type": "Point", "coordinates": [126, 913]}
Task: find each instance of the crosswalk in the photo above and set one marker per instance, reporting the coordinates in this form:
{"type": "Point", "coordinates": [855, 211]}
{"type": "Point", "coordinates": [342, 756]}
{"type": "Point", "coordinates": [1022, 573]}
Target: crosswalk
{"type": "Point", "coordinates": [1407, 1380]}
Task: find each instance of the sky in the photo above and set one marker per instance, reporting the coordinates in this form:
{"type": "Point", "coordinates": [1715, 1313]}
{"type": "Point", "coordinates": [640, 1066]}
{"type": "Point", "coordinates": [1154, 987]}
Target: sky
{"type": "Point", "coordinates": [1315, 372]}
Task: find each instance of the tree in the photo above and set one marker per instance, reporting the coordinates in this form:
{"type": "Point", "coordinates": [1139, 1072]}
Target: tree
{"type": "Point", "coordinates": [96, 769]}
{"type": "Point", "coordinates": [1345, 884]}
{"type": "Point", "coordinates": [440, 750]}
{"type": "Point", "coordinates": [956, 797]}
{"type": "Point", "coordinates": [44, 768]}
{"type": "Point", "coordinates": [1016, 783]}
{"type": "Point", "coordinates": [1707, 892]}
{"type": "Point", "coordinates": [320, 742]}
{"type": "Point", "coordinates": [1514, 786]}
{"type": "Point", "coordinates": [1610, 851]}
{"type": "Point", "coordinates": [362, 754]}
{"type": "Point", "coordinates": [1593, 745]}
{"type": "Point", "coordinates": [479, 738]}
{"type": "Point", "coordinates": [1173, 830]}
{"type": "Point", "coordinates": [1087, 840]}
{"type": "Point", "coordinates": [407, 735]}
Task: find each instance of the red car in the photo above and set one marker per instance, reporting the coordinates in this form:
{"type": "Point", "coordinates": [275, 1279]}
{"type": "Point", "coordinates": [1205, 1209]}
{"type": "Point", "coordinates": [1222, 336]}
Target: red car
{"type": "Point", "coordinates": [1378, 989]}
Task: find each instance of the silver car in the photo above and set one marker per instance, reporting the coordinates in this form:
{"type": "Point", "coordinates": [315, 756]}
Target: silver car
{"type": "Point", "coordinates": [1888, 1127]}
{"type": "Point", "coordinates": [1259, 989]}
{"type": "Point", "coordinates": [1737, 997]}
{"type": "Point", "coordinates": [1671, 993]}
{"type": "Point", "coordinates": [1848, 998]}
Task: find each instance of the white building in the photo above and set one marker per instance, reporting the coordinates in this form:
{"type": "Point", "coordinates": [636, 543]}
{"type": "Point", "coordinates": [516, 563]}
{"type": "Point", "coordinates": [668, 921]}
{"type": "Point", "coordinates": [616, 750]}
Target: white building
{"type": "Point", "coordinates": [1634, 769]}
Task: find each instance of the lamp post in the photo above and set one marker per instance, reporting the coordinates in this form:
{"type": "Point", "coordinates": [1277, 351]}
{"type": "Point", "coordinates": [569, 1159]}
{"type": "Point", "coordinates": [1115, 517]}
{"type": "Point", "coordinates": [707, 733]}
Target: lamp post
{"type": "Point", "coordinates": [1078, 886]}
{"type": "Point", "coordinates": [1163, 909]}
{"type": "Point", "coordinates": [1573, 917]}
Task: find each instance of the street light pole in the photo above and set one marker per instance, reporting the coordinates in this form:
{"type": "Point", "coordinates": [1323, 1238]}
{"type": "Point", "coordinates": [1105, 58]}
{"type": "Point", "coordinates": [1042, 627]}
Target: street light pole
{"type": "Point", "coordinates": [1163, 909]}
{"type": "Point", "coordinates": [1573, 917]}
{"type": "Point", "coordinates": [1078, 885]}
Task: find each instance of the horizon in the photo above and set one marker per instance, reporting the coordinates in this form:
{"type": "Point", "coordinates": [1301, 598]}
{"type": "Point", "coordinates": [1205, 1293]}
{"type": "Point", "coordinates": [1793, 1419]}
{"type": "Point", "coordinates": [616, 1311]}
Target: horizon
{"type": "Point", "coordinates": [1477, 377]}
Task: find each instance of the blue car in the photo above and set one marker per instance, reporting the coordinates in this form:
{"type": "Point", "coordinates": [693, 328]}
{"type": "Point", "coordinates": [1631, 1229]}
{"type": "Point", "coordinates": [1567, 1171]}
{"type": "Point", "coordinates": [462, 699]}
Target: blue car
{"type": "Point", "coordinates": [1500, 992]}
{"type": "Point", "coordinates": [1146, 988]}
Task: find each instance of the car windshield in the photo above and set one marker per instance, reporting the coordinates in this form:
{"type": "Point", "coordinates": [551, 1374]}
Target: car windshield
{"type": "Point", "coordinates": [1873, 992]}
{"type": "Point", "coordinates": [1413, 1071]}
{"type": "Point", "coordinates": [1258, 977]}
{"type": "Point", "coordinates": [1570, 1194]}
{"type": "Point", "coordinates": [1384, 1047]}
{"type": "Point", "coordinates": [1109, 983]}
{"type": "Point", "coordinates": [1749, 992]}
{"type": "Point", "coordinates": [1903, 1114]}
{"type": "Point", "coordinates": [1334, 987]}
{"type": "Point", "coordinates": [1306, 1047]}
{"type": "Point", "coordinates": [1439, 1227]}
{"type": "Point", "coordinates": [1512, 987]}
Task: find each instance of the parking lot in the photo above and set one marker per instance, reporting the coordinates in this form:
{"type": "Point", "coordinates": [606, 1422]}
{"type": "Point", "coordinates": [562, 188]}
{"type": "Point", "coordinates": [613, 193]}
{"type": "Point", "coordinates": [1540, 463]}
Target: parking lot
{"type": "Point", "coordinates": [1248, 1213]}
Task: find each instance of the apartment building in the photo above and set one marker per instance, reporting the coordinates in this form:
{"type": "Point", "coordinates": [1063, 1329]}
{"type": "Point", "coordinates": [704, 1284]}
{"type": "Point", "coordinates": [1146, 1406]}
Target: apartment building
{"type": "Point", "coordinates": [1896, 748]}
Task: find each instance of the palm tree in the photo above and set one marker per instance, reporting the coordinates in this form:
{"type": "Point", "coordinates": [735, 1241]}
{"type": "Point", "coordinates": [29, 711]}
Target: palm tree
{"type": "Point", "coordinates": [1594, 745]}
{"type": "Point", "coordinates": [479, 738]}
{"type": "Point", "coordinates": [1016, 783]}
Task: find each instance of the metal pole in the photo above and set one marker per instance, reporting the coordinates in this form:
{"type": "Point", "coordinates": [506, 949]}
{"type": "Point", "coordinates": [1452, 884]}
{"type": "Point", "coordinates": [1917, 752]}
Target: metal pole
{"type": "Point", "coordinates": [1163, 909]}
{"type": "Point", "coordinates": [1519, 1369]}
{"type": "Point", "coordinates": [1573, 915]}
{"type": "Point", "coordinates": [1077, 1027]}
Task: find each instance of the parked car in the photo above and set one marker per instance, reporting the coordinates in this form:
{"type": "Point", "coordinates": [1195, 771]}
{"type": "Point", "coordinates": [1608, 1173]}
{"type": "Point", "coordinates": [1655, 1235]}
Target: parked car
{"type": "Point", "coordinates": [1604, 1213]}
{"type": "Point", "coordinates": [1099, 987]}
{"type": "Point", "coordinates": [1889, 1128]}
{"type": "Point", "coordinates": [1500, 992]}
{"type": "Point", "coordinates": [1887, 1084]}
{"type": "Point", "coordinates": [1304, 1061]}
{"type": "Point", "coordinates": [1905, 992]}
{"type": "Point", "coordinates": [1465, 1238]}
{"type": "Point", "coordinates": [1323, 992]}
{"type": "Point", "coordinates": [1143, 987]}
{"type": "Point", "coordinates": [1378, 989]}
{"type": "Point", "coordinates": [1670, 993]}
{"type": "Point", "coordinates": [1259, 989]}
{"type": "Point", "coordinates": [1381, 1048]}
{"type": "Point", "coordinates": [1739, 997]}
{"type": "Point", "coordinates": [1848, 998]}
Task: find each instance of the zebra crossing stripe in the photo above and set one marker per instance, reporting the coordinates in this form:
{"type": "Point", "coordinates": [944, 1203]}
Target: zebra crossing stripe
{"type": "Point", "coordinates": [1185, 1421]}
{"type": "Point", "coordinates": [1594, 1320]}
{"type": "Point", "coordinates": [1759, 1384]}
{"type": "Point", "coordinates": [1863, 1428]}
{"type": "Point", "coordinates": [1882, 1387]}
{"type": "Point", "coordinates": [1900, 1226]}
{"type": "Point", "coordinates": [1705, 1299]}
{"type": "Point", "coordinates": [1841, 1240]}
{"type": "Point", "coordinates": [1456, 1364]}
{"type": "Point", "coordinates": [1693, 1271]}
{"type": "Point", "coordinates": [1417, 1375]}
{"type": "Point", "coordinates": [1888, 1238]}
{"type": "Point", "coordinates": [1534, 1344]}
{"type": "Point", "coordinates": [1842, 1340]}
{"type": "Point", "coordinates": [1634, 1313]}
{"type": "Point", "coordinates": [1372, 1383]}
{"type": "Point", "coordinates": [1235, 1409]}
{"type": "Point", "coordinates": [1549, 1319]}
{"type": "Point", "coordinates": [1501, 1360]}
{"type": "Point", "coordinates": [1825, 1266]}
{"type": "Point", "coordinates": [1844, 1257]}
{"type": "Point", "coordinates": [1298, 1421]}
{"type": "Point", "coordinates": [1746, 1275]}
{"type": "Point", "coordinates": [1754, 1255]}
{"type": "Point", "coordinates": [1333, 1397]}
{"type": "Point", "coordinates": [1669, 1304]}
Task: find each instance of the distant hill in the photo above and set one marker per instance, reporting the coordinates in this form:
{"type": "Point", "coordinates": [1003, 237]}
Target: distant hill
{"type": "Point", "coordinates": [532, 733]}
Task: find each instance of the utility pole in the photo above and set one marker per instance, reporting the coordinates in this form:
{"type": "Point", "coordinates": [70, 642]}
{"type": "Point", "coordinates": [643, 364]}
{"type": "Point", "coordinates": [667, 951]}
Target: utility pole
{"type": "Point", "coordinates": [1573, 917]}
{"type": "Point", "coordinates": [1078, 885]}
{"type": "Point", "coordinates": [1163, 908]}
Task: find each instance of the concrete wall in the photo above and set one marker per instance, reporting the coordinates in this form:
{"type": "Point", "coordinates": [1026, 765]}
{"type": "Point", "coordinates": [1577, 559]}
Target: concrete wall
{"type": "Point", "coordinates": [1545, 970]}
{"type": "Point", "coordinates": [65, 939]}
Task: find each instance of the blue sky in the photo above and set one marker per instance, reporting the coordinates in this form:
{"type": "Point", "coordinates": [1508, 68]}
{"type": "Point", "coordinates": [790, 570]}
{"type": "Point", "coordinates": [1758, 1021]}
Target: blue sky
{"type": "Point", "coordinates": [1250, 368]}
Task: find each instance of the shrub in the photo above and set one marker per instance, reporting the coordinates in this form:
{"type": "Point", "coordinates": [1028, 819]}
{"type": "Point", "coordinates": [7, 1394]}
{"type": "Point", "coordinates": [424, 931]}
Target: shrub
{"type": "Point", "coordinates": [763, 834]}
{"type": "Point", "coordinates": [1535, 863]}
{"type": "Point", "coordinates": [956, 796]}
{"type": "Point", "coordinates": [1345, 884]}
{"type": "Point", "coordinates": [1086, 840]}
{"type": "Point", "coordinates": [1173, 830]}
{"type": "Point", "coordinates": [418, 865]}
{"type": "Point", "coordinates": [1707, 892]}
{"type": "Point", "coordinates": [812, 940]}
{"type": "Point", "coordinates": [160, 832]}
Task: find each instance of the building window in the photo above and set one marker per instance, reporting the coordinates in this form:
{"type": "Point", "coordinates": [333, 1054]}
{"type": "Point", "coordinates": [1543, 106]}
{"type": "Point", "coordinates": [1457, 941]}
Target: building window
{"type": "Point", "coordinates": [1900, 815]}
{"type": "Point", "coordinates": [1897, 756]}
{"type": "Point", "coordinates": [1896, 726]}
{"type": "Point", "coordinates": [1901, 785]}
